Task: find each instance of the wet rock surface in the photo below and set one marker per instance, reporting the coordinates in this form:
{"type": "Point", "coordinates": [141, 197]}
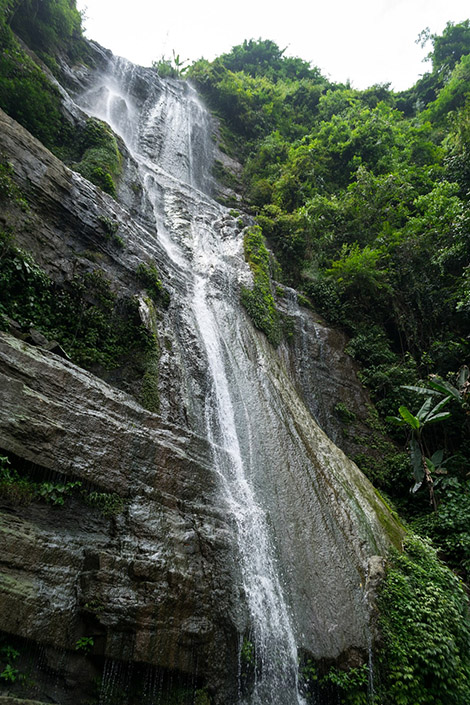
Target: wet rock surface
{"type": "Point", "coordinates": [153, 584]}
{"type": "Point", "coordinates": [326, 377]}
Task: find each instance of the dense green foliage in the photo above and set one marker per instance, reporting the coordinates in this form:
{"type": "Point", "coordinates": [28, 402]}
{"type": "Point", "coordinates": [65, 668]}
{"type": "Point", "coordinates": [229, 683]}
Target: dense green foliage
{"type": "Point", "coordinates": [259, 301]}
{"type": "Point", "coordinates": [363, 196]}
{"type": "Point", "coordinates": [425, 625]}
{"type": "Point", "coordinates": [48, 26]}
{"type": "Point", "coordinates": [173, 67]}
{"type": "Point", "coordinates": [100, 159]}
{"type": "Point", "coordinates": [29, 96]}
{"type": "Point", "coordinates": [450, 527]}
{"type": "Point", "coordinates": [345, 686]}
{"type": "Point", "coordinates": [256, 90]}
{"type": "Point", "coordinates": [424, 652]}
{"type": "Point", "coordinates": [150, 278]}
{"type": "Point", "coordinates": [88, 320]}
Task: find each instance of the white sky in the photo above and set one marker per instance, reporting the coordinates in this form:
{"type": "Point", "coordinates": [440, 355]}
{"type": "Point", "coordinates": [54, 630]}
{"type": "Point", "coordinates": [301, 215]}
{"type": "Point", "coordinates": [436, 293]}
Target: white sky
{"type": "Point", "coordinates": [366, 41]}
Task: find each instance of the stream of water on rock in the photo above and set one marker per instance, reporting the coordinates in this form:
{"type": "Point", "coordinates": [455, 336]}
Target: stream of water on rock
{"type": "Point", "coordinates": [169, 135]}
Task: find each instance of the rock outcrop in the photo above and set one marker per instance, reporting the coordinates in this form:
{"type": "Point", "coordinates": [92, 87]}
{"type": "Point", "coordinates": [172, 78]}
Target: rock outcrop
{"type": "Point", "coordinates": [153, 584]}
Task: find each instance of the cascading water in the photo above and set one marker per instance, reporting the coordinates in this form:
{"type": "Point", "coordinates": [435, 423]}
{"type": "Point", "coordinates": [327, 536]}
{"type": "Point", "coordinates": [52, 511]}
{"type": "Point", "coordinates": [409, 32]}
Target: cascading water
{"type": "Point", "coordinates": [307, 521]}
{"type": "Point", "coordinates": [169, 161]}
{"type": "Point", "coordinates": [273, 636]}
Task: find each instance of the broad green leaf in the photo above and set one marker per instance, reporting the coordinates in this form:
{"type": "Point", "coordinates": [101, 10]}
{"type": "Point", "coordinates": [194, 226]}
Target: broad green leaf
{"type": "Point", "coordinates": [437, 408]}
{"type": "Point", "coordinates": [413, 421]}
{"type": "Point", "coordinates": [464, 374]}
{"type": "Point", "coordinates": [416, 461]}
{"type": "Point", "coordinates": [395, 419]}
{"type": "Point", "coordinates": [437, 457]}
{"type": "Point", "coordinates": [438, 417]}
{"type": "Point", "coordinates": [425, 409]}
{"type": "Point", "coordinates": [440, 406]}
{"type": "Point", "coordinates": [419, 390]}
{"type": "Point", "coordinates": [444, 387]}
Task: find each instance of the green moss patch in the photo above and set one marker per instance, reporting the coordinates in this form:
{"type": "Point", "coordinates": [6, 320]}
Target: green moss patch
{"type": "Point", "coordinates": [92, 324]}
{"type": "Point", "coordinates": [259, 301]}
{"type": "Point", "coordinates": [29, 96]}
{"type": "Point", "coordinates": [100, 160]}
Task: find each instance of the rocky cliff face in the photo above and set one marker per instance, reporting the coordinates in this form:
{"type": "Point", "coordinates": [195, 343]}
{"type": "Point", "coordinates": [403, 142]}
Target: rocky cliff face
{"type": "Point", "coordinates": [153, 584]}
{"type": "Point", "coordinates": [151, 591]}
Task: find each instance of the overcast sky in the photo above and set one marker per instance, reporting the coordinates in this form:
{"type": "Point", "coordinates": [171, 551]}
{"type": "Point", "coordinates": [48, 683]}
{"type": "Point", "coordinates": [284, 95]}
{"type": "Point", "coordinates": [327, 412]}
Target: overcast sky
{"type": "Point", "coordinates": [366, 41]}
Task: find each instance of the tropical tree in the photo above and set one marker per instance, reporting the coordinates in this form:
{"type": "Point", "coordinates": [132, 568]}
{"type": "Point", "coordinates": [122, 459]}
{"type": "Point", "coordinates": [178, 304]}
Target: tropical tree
{"type": "Point", "coordinates": [428, 414]}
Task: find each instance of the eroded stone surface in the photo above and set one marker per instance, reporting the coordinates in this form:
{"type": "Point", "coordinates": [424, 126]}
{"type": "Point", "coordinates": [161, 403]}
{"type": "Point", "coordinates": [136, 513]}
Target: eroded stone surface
{"type": "Point", "coordinates": [154, 584]}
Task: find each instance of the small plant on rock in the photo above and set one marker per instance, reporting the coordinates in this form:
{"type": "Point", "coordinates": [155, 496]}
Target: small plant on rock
{"type": "Point", "coordinates": [84, 644]}
{"type": "Point", "coordinates": [9, 674]}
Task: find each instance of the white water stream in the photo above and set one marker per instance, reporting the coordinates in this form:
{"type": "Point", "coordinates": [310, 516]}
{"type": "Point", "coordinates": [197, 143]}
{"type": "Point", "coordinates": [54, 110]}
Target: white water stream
{"type": "Point", "coordinates": [169, 136]}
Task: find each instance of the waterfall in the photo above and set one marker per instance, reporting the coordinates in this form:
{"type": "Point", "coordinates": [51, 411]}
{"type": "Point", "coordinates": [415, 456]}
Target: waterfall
{"type": "Point", "coordinates": [306, 519]}
{"type": "Point", "coordinates": [274, 643]}
{"type": "Point", "coordinates": [173, 150]}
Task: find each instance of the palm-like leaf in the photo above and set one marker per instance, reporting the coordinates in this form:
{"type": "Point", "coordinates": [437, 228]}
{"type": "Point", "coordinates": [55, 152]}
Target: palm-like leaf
{"type": "Point", "coordinates": [464, 376]}
{"type": "Point", "coordinates": [408, 417]}
{"type": "Point", "coordinates": [444, 387]}
{"type": "Point", "coordinates": [437, 457]}
{"type": "Point", "coordinates": [425, 410]}
{"type": "Point", "coordinates": [419, 390]}
{"type": "Point", "coordinates": [417, 464]}
{"type": "Point", "coordinates": [435, 413]}
{"type": "Point", "coordinates": [438, 417]}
